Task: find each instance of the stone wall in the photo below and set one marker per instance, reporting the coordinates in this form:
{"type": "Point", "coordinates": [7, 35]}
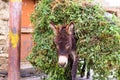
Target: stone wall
{"type": "Point", "coordinates": [4, 16]}
{"type": "Point", "coordinates": [112, 6]}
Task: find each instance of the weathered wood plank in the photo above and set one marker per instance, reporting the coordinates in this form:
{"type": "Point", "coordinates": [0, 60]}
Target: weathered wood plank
{"type": "Point", "coordinates": [26, 30]}
{"type": "Point", "coordinates": [14, 40]}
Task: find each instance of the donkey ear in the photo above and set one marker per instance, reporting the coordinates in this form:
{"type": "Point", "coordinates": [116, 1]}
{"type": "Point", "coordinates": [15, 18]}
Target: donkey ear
{"type": "Point", "coordinates": [70, 27]}
{"type": "Point", "coordinates": [53, 27]}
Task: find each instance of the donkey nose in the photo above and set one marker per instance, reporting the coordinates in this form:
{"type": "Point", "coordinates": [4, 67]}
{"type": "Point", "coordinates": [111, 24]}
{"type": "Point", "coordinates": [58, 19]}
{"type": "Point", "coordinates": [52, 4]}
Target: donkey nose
{"type": "Point", "coordinates": [62, 64]}
{"type": "Point", "coordinates": [62, 61]}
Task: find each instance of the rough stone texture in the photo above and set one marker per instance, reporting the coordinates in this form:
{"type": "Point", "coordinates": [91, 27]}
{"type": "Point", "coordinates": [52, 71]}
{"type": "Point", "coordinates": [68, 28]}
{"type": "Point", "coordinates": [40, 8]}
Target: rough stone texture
{"type": "Point", "coordinates": [4, 17]}
{"type": "Point", "coordinates": [112, 6]}
{"type": "Point", "coordinates": [110, 3]}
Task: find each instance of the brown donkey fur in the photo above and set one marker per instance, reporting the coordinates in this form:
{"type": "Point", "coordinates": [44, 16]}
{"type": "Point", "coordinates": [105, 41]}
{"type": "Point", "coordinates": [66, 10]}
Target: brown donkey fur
{"type": "Point", "coordinates": [66, 46]}
{"type": "Point", "coordinates": [65, 42]}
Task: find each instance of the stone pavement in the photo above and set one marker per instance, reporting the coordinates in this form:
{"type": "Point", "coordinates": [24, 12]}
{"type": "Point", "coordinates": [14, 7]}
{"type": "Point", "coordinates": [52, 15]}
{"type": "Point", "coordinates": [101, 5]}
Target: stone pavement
{"type": "Point", "coordinates": [28, 72]}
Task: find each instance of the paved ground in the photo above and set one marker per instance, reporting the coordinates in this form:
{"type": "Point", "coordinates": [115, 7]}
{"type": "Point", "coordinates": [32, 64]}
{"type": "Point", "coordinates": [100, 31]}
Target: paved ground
{"type": "Point", "coordinates": [29, 73]}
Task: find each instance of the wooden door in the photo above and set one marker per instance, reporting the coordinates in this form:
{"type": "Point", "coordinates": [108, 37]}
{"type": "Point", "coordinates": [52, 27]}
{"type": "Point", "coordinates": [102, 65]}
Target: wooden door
{"type": "Point", "coordinates": [26, 28]}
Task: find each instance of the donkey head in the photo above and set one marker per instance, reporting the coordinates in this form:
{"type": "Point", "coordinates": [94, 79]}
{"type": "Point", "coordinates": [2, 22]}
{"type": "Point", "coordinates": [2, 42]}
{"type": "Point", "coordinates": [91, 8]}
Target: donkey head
{"type": "Point", "coordinates": [63, 42]}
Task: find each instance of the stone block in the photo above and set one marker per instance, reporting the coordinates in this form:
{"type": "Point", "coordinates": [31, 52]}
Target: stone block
{"type": "Point", "coordinates": [2, 41]}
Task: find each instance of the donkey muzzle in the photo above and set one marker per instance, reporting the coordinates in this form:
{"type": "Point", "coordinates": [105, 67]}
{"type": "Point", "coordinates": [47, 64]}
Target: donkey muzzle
{"type": "Point", "coordinates": [62, 61]}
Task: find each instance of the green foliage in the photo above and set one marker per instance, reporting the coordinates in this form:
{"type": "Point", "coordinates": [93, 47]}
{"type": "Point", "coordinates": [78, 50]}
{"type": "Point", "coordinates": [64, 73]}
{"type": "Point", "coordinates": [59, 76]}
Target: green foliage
{"type": "Point", "coordinates": [98, 39]}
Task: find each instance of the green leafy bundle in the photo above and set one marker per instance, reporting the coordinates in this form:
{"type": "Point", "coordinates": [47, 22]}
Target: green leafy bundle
{"type": "Point", "coordinates": [98, 39]}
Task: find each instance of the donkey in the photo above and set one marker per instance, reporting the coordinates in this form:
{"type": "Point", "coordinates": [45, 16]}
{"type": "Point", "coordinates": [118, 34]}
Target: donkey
{"type": "Point", "coordinates": [65, 42]}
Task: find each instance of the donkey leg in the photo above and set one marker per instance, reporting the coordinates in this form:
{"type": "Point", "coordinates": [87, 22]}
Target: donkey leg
{"type": "Point", "coordinates": [83, 69]}
{"type": "Point", "coordinates": [74, 68]}
{"type": "Point", "coordinates": [88, 72]}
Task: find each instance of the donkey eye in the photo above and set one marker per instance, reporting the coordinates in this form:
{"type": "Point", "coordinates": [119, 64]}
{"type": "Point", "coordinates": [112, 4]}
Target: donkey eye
{"type": "Point", "coordinates": [57, 47]}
